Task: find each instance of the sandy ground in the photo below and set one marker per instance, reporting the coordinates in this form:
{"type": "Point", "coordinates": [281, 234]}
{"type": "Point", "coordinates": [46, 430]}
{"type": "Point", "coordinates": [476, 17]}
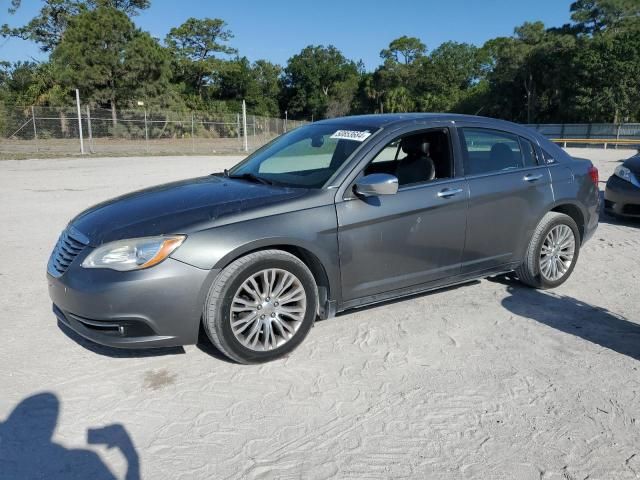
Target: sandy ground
{"type": "Point", "coordinates": [488, 380]}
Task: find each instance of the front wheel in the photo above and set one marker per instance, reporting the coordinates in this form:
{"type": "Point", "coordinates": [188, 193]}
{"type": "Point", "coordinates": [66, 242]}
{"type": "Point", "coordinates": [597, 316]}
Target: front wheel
{"type": "Point", "coordinates": [552, 252]}
{"type": "Point", "coordinates": [261, 306]}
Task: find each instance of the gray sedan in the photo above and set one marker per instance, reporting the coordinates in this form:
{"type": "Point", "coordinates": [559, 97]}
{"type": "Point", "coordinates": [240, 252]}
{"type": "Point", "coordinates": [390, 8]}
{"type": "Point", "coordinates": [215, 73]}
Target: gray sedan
{"type": "Point", "coordinates": [332, 216]}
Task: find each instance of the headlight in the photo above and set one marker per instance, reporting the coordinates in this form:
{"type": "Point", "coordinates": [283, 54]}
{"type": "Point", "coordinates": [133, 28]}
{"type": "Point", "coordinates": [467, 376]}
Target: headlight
{"type": "Point", "coordinates": [624, 173]}
{"type": "Point", "coordinates": [133, 254]}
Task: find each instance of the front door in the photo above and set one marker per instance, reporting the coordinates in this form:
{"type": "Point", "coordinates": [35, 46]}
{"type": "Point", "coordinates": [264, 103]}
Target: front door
{"type": "Point", "coordinates": [413, 237]}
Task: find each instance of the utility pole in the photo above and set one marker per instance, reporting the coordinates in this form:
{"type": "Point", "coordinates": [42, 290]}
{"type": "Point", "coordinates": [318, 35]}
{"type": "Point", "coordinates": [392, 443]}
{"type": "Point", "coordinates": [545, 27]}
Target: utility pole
{"type": "Point", "coordinates": [79, 121]}
{"type": "Point", "coordinates": [244, 125]}
{"type": "Point", "coordinates": [35, 132]}
{"type": "Point", "coordinates": [90, 130]}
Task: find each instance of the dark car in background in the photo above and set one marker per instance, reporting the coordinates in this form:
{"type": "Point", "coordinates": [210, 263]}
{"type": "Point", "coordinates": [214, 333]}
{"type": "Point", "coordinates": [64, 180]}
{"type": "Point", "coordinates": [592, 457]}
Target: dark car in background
{"type": "Point", "coordinates": [622, 193]}
{"type": "Point", "coordinates": [331, 216]}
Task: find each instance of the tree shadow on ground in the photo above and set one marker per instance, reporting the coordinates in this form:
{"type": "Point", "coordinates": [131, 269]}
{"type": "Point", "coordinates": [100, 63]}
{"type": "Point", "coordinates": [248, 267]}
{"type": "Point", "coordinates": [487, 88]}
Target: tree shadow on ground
{"type": "Point", "coordinates": [575, 317]}
{"type": "Point", "coordinates": [28, 452]}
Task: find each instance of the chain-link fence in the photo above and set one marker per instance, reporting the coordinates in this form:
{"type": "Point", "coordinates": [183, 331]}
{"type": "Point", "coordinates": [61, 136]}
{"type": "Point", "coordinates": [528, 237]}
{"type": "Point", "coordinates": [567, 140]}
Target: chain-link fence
{"type": "Point", "coordinates": [36, 131]}
{"type": "Point", "coordinates": [45, 130]}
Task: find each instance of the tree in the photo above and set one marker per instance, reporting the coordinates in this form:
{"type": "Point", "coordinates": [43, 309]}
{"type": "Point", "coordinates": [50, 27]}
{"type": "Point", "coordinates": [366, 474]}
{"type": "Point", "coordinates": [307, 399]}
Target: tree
{"type": "Point", "coordinates": [48, 26]}
{"type": "Point", "coordinates": [410, 48]}
{"type": "Point", "coordinates": [256, 83]}
{"type": "Point", "coordinates": [317, 78]}
{"type": "Point", "coordinates": [128, 7]}
{"type": "Point", "coordinates": [195, 45]}
{"type": "Point", "coordinates": [595, 16]}
{"type": "Point", "coordinates": [606, 87]}
{"type": "Point", "coordinates": [104, 55]}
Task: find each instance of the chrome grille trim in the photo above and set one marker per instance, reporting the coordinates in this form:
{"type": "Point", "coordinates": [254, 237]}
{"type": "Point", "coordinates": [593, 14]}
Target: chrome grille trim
{"type": "Point", "coordinates": [69, 245]}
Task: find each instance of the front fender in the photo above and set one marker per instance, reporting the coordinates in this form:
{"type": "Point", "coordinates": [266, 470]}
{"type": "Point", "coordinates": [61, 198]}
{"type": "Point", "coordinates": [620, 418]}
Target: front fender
{"type": "Point", "coordinates": [313, 230]}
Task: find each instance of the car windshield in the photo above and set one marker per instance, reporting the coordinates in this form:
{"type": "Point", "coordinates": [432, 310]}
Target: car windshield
{"type": "Point", "coordinates": [306, 157]}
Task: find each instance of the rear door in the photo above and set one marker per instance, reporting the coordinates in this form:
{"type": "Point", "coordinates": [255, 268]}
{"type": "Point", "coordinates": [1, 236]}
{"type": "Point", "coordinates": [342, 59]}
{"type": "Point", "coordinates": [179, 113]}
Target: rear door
{"type": "Point", "coordinates": [509, 190]}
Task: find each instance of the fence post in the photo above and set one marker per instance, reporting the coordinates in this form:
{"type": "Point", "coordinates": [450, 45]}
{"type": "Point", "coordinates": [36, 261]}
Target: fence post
{"type": "Point", "coordinates": [254, 128]}
{"type": "Point", "coordinates": [146, 131]}
{"type": "Point", "coordinates": [618, 135]}
{"type": "Point", "coordinates": [238, 127]}
{"type": "Point", "coordinates": [90, 131]}
{"type": "Point", "coordinates": [244, 126]}
{"type": "Point", "coordinates": [35, 132]}
{"type": "Point", "coordinates": [193, 138]}
{"type": "Point", "coordinates": [79, 121]}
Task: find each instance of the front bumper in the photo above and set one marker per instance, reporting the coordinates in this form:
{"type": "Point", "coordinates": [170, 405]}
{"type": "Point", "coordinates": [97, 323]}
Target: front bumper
{"type": "Point", "coordinates": [622, 198]}
{"type": "Point", "coordinates": [157, 307]}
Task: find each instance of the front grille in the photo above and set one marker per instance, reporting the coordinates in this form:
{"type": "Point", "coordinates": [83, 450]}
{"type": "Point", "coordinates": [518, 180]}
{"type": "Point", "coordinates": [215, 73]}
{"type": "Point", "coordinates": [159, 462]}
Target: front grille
{"type": "Point", "coordinates": [69, 245]}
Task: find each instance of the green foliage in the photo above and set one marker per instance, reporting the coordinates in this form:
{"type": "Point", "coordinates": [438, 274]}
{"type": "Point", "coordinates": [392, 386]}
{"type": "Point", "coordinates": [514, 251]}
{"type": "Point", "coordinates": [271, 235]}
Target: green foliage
{"type": "Point", "coordinates": [410, 48]}
{"type": "Point", "coordinates": [110, 61]}
{"type": "Point", "coordinates": [584, 71]}
{"type": "Point", "coordinates": [319, 82]}
{"type": "Point", "coordinates": [47, 27]}
{"type": "Point", "coordinates": [607, 73]}
{"type": "Point", "coordinates": [595, 16]}
{"type": "Point", "coordinates": [437, 81]}
{"type": "Point", "coordinates": [194, 45]}
{"type": "Point", "coordinates": [255, 83]}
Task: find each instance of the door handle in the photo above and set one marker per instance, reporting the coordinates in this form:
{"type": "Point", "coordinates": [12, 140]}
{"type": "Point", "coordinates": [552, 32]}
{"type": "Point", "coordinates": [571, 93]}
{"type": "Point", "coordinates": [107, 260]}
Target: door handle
{"type": "Point", "coordinates": [449, 192]}
{"type": "Point", "coordinates": [532, 178]}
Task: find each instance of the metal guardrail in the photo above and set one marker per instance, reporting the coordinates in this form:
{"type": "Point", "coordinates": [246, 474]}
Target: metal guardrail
{"type": "Point", "coordinates": [606, 142]}
{"type": "Point", "coordinates": [579, 134]}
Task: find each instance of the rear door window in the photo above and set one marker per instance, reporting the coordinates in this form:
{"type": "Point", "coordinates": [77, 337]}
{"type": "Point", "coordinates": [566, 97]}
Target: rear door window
{"type": "Point", "coordinates": [488, 151]}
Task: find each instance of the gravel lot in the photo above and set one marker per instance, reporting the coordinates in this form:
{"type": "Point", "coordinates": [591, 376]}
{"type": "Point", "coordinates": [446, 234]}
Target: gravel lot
{"type": "Point", "coordinates": [488, 380]}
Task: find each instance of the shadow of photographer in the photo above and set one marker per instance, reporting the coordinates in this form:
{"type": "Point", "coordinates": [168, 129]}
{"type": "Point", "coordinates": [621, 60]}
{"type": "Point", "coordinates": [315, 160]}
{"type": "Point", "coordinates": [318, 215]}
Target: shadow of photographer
{"type": "Point", "coordinates": [27, 450]}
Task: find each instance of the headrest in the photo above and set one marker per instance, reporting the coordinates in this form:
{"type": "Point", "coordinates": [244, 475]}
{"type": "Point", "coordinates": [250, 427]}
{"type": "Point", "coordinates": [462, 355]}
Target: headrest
{"type": "Point", "coordinates": [415, 146]}
{"type": "Point", "coordinates": [501, 151]}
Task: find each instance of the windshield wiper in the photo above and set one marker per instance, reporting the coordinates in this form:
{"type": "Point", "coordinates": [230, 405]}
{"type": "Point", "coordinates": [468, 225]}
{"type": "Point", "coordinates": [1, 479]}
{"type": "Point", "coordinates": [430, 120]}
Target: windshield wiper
{"type": "Point", "coordinates": [251, 178]}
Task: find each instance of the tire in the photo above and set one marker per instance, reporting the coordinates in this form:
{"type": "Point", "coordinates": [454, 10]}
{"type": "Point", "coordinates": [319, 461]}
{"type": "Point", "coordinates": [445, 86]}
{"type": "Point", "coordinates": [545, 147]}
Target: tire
{"type": "Point", "coordinates": [276, 329]}
{"type": "Point", "coordinates": [531, 272]}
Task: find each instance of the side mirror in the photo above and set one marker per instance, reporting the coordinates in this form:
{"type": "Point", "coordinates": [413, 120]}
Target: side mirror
{"type": "Point", "coordinates": [376, 184]}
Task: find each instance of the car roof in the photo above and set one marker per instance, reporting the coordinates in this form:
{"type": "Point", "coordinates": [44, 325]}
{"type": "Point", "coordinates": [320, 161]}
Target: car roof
{"type": "Point", "coordinates": [387, 119]}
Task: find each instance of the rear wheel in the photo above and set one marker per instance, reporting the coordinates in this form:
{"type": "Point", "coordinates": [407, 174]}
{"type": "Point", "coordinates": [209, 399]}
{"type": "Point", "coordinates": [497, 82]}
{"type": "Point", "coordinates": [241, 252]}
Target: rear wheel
{"type": "Point", "coordinates": [552, 252]}
{"type": "Point", "coordinates": [261, 306]}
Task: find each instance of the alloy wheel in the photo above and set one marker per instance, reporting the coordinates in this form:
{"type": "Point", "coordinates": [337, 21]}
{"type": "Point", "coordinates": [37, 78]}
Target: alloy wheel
{"type": "Point", "coordinates": [557, 252]}
{"type": "Point", "coordinates": [268, 309]}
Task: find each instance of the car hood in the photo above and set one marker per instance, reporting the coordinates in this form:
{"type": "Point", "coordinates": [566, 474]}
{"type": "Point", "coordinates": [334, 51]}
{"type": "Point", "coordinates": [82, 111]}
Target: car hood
{"type": "Point", "coordinates": [633, 163]}
{"type": "Point", "coordinates": [178, 207]}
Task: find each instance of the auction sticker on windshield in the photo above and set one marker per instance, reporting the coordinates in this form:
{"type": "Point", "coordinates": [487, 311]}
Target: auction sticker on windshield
{"type": "Point", "coordinates": [355, 135]}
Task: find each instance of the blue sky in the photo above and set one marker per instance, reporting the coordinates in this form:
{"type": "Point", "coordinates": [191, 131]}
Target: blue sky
{"type": "Point", "coordinates": [276, 29]}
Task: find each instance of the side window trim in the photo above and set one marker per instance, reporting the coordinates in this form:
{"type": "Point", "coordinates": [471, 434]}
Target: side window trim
{"type": "Point", "coordinates": [435, 181]}
{"type": "Point", "coordinates": [452, 155]}
{"type": "Point", "coordinates": [465, 152]}
{"type": "Point", "coordinates": [536, 156]}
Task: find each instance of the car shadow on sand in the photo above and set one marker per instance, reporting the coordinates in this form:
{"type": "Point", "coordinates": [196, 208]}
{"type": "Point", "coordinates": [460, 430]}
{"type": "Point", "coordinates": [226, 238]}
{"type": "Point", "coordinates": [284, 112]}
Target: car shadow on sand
{"type": "Point", "coordinates": [27, 449]}
{"type": "Point", "coordinates": [575, 317]}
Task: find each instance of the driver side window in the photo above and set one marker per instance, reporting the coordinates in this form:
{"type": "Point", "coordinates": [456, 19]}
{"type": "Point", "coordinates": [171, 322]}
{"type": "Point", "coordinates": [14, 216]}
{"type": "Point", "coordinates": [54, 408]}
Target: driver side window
{"type": "Point", "coordinates": [416, 158]}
